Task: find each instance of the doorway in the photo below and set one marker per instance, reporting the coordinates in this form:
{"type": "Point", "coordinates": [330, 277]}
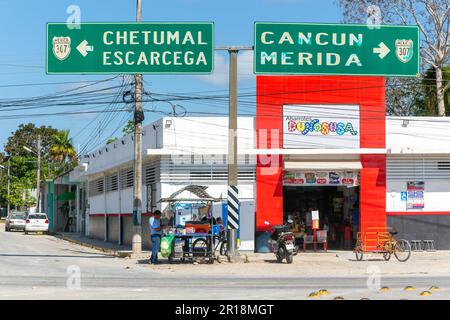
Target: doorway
{"type": "Point", "coordinates": [338, 208]}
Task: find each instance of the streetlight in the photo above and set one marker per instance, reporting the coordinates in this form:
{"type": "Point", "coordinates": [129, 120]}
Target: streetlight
{"type": "Point", "coordinates": [38, 178]}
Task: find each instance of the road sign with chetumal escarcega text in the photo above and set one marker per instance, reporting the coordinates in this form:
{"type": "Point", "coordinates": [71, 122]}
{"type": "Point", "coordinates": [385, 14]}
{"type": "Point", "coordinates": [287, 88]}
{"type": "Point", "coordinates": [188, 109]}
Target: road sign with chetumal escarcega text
{"type": "Point", "coordinates": [336, 49]}
{"type": "Point", "coordinates": [140, 47]}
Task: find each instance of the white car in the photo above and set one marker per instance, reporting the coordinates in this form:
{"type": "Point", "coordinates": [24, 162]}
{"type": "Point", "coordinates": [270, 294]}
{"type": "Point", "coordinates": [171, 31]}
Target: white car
{"type": "Point", "coordinates": [15, 221]}
{"type": "Point", "coordinates": [36, 222]}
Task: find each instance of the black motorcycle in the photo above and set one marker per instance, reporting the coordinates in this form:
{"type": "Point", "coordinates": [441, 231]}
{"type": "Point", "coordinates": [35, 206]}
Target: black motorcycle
{"type": "Point", "coordinates": [283, 243]}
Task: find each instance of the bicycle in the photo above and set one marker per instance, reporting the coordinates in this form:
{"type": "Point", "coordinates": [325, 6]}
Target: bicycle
{"type": "Point", "coordinates": [201, 246]}
{"type": "Point", "coordinates": [386, 245]}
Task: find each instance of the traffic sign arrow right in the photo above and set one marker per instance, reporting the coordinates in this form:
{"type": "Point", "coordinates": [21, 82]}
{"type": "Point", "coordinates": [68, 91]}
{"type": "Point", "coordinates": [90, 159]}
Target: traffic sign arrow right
{"type": "Point", "coordinates": [382, 50]}
{"type": "Point", "coordinates": [84, 48]}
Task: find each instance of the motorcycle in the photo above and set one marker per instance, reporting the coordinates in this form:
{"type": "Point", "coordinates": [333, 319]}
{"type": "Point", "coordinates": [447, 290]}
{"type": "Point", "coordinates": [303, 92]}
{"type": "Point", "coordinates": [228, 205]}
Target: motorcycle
{"type": "Point", "coordinates": [283, 243]}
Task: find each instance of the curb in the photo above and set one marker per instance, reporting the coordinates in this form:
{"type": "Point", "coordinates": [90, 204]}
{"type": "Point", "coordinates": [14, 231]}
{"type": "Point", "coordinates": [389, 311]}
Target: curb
{"type": "Point", "coordinates": [84, 244]}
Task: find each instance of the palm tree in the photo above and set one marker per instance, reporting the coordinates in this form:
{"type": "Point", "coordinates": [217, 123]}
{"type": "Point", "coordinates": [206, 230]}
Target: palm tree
{"type": "Point", "coordinates": [62, 148]}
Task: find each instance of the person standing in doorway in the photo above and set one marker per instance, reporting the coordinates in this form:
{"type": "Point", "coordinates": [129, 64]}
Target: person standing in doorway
{"type": "Point", "coordinates": [155, 235]}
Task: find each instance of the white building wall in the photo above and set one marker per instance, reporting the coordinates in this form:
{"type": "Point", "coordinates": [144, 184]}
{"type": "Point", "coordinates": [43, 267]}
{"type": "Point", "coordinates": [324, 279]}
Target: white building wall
{"type": "Point", "coordinates": [126, 200]}
{"type": "Point", "coordinates": [112, 202]}
{"type": "Point", "coordinates": [436, 196]}
{"type": "Point", "coordinates": [97, 204]}
{"type": "Point", "coordinates": [202, 134]}
{"type": "Point", "coordinates": [418, 134]}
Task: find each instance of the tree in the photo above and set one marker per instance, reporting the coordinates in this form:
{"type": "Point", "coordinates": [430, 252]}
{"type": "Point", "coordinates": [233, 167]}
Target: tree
{"type": "Point", "coordinates": [57, 156]}
{"type": "Point", "coordinates": [62, 149]}
{"type": "Point", "coordinates": [405, 98]}
{"type": "Point", "coordinates": [430, 90]}
{"type": "Point", "coordinates": [432, 17]}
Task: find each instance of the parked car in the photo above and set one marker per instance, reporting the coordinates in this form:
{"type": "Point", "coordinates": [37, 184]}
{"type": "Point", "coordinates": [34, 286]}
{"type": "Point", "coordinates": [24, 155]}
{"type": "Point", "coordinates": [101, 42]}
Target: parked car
{"type": "Point", "coordinates": [15, 221]}
{"type": "Point", "coordinates": [36, 222]}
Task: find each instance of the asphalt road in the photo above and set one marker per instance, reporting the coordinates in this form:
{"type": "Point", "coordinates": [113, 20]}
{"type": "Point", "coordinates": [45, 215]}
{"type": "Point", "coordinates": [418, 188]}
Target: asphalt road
{"type": "Point", "coordinates": [44, 267]}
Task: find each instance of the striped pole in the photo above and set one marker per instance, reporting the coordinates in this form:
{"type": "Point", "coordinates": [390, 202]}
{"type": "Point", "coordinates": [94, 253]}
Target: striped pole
{"type": "Point", "coordinates": [233, 208]}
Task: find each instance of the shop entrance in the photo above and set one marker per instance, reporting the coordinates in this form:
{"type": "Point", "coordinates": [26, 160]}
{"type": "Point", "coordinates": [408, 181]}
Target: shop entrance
{"type": "Point", "coordinates": [338, 208]}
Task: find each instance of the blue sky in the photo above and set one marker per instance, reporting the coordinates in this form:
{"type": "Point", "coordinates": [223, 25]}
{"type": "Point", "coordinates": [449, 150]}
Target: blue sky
{"type": "Point", "coordinates": [22, 52]}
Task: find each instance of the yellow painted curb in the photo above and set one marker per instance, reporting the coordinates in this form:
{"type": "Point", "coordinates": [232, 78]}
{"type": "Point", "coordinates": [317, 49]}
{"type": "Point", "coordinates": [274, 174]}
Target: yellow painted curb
{"type": "Point", "coordinates": [323, 292]}
{"type": "Point", "coordinates": [425, 293]}
{"type": "Point", "coordinates": [313, 295]}
{"type": "Point", "coordinates": [434, 288]}
{"type": "Point", "coordinates": [409, 288]}
{"type": "Point", "coordinates": [385, 289]}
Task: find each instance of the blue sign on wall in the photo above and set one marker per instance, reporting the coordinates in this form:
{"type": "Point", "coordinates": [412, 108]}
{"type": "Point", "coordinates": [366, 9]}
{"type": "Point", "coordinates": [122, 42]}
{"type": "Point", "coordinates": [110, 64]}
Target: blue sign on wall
{"type": "Point", "coordinates": [404, 196]}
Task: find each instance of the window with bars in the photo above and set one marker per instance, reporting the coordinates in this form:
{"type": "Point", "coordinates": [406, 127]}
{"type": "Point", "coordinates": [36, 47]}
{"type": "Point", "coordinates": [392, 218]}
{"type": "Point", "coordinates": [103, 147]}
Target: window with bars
{"type": "Point", "coordinates": [417, 168]}
{"type": "Point", "coordinates": [443, 165]}
{"type": "Point", "coordinates": [126, 178]}
{"type": "Point", "coordinates": [150, 175]}
{"type": "Point", "coordinates": [112, 182]}
{"type": "Point", "coordinates": [96, 187]}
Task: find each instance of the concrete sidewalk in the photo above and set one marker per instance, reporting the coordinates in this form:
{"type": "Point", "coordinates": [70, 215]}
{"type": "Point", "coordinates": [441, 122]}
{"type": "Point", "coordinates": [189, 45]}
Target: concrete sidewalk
{"type": "Point", "coordinates": [313, 264]}
{"type": "Point", "coordinates": [122, 251]}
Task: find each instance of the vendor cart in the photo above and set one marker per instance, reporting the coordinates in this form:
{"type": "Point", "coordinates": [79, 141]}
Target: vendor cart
{"type": "Point", "coordinates": [193, 239]}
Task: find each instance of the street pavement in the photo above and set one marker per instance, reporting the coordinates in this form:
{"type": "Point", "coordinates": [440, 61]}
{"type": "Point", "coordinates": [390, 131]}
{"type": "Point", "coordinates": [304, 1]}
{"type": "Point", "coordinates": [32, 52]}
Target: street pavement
{"type": "Point", "coordinates": [46, 267]}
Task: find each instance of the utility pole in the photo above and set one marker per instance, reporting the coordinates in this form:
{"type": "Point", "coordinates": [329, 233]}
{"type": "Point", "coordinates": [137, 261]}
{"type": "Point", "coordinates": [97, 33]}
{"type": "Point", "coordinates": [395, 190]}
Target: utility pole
{"type": "Point", "coordinates": [38, 183]}
{"type": "Point", "coordinates": [9, 173]}
{"type": "Point", "coordinates": [233, 202]}
{"type": "Point", "coordinates": [9, 184]}
{"type": "Point", "coordinates": [137, 186]}
{"type": "Point", "coordinates": [232, 139]}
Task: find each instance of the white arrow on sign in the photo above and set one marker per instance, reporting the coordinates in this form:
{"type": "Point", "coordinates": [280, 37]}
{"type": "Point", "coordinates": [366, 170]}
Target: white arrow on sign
{"type": "Point", "coordinates": [84, 48]}
{"type": "Point", "coordinates": [382, 50]}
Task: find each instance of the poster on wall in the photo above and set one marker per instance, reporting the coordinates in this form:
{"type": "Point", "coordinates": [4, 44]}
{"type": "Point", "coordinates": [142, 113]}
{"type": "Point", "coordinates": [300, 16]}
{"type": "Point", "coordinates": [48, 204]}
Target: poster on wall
{"type": "Point", "coordinates": [317, 178]}
{"type": "Point", "coordinates": [415, 195]}
{"type": "Point", "coordinates": [321, 126]}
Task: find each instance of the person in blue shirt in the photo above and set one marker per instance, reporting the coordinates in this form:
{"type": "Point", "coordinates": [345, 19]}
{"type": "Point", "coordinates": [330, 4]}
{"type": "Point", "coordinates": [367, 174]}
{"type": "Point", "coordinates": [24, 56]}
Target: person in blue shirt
{"type": "Point", "coordinates": [155, 235]}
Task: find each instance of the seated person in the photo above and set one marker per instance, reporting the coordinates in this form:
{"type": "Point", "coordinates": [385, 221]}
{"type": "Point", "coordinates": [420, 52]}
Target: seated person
{"type": "Point", "coordinates": [220, 223]}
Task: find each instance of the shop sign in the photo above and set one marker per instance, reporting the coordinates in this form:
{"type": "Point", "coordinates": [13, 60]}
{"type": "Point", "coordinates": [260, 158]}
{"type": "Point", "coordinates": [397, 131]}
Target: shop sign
{"type": "Point", "coordinates": [321, 126]}
{"type": "Point", "coordinates": [317, 178]}
{"type": "Point", "coordinates": [415, 195]}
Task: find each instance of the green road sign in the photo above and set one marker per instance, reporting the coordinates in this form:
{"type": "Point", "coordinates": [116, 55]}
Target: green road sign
{"type": "Point", "coordinates": [336, 49]}
{"type": "Point", "coordinates": [156, 47]}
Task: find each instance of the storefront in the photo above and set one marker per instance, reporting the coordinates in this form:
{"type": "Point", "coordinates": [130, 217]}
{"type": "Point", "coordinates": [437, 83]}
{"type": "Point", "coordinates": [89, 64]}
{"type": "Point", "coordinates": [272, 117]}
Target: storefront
{"type": "Point", "coordinates": [328, 136]}
{"type": "Point", "coordinates": [335, 198]}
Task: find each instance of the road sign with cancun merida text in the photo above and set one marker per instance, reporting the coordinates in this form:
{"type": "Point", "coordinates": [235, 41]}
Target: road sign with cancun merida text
{"type": "Point", "coordinates": [136, 47]}
{"type": "Point", "coordinates": [340, 49]}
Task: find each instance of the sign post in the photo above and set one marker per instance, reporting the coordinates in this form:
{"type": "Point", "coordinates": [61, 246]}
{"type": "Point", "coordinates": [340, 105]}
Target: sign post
{"type": "Point", "coordinates": [136, 47]}
{"type": "Point", "coordinates": [336, 49]}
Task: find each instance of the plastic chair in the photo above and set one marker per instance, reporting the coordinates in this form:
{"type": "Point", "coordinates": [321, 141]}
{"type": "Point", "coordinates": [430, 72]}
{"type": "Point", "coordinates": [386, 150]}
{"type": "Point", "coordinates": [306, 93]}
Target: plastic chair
{"type": "Point", "coordinates": [309, 240]}
{"type": "Point", "coordinates": [322, 239]}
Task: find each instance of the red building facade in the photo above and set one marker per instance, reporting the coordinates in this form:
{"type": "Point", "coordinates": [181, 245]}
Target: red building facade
{"type": "Point", "coordinates": [273, 92]}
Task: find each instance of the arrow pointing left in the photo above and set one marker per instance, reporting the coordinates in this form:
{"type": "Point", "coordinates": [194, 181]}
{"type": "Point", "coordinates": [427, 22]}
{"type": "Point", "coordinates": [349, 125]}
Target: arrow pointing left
{"type": "Point", "coordinates": [84, 48]}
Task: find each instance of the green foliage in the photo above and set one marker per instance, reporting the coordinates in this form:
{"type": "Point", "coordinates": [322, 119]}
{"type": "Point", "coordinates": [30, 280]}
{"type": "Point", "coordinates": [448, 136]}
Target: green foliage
{"type": "Point", "coordinates": [128, 128]}
{"type": "Point", "coordinates": [57, 156]}
{"type": "Point", "coordinates": [429, 89]}
{"type": "Point", "coordinates": [110, 140]}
